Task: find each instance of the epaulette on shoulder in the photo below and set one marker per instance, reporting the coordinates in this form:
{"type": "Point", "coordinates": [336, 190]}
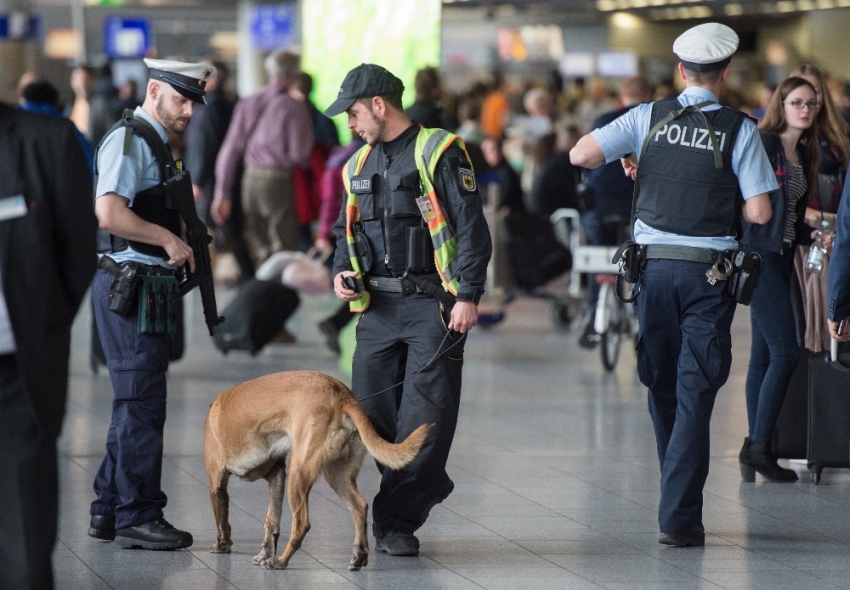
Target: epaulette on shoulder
{"type": "Point", "coordinates": [128, 139]}
{"type": "Point", "coordinates": [126, 116]}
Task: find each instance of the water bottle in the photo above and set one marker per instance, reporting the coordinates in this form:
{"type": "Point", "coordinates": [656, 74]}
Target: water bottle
{"type": "Point", "coordinates": [814, 261]}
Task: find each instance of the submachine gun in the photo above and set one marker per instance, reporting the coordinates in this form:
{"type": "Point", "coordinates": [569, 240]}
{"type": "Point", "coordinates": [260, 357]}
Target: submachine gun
{"type": "Point", "coordinates": [179, 190]}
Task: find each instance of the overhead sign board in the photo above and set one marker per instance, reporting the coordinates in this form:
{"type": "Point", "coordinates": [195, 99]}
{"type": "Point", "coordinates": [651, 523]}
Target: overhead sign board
{"type": "Point", "coordinates": [616, 64]}
{"type": "Point", "coordinates": [19, 26]}
{"type": "Point", "coordinates": [126, 37]}
{"type": "Point", "coordinates": [272, 27]}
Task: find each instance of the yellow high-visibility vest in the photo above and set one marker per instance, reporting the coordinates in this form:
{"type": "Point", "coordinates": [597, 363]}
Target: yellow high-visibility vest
{"type": "Point", "coordinates": [430, 146]}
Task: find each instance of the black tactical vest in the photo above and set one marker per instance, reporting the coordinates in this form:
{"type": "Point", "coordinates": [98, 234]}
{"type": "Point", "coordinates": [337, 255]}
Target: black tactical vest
{"type": "Point", "coordinates": [387, 189]}
{"type": "Point", "coordinates": [681, 189]}
{"type": "Point", "coordinates": [151, 204]}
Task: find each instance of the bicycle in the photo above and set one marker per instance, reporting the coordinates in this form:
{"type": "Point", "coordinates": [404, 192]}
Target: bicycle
{"type": "Point", "coordinates": [614, 320]}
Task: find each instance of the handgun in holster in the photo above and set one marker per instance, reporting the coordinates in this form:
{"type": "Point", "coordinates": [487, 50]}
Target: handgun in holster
{"type": "Point", "coordinates": [125, 283]}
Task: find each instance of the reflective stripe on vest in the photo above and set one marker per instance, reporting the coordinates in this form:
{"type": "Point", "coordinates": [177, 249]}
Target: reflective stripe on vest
{"type": "Point", "coordinates": [430, 146]}
{"type": "Point", "coordinates": [352, 214]}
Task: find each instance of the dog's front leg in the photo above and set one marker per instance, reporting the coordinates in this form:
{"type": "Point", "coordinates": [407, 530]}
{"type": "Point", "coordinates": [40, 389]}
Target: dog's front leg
{"type": "Point", "coordinates": [277, 483]}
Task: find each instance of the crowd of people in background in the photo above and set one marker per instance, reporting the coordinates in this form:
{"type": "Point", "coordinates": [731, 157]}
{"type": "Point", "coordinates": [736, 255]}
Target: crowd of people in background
{"type": "Point", "coordinates": [267, 167]}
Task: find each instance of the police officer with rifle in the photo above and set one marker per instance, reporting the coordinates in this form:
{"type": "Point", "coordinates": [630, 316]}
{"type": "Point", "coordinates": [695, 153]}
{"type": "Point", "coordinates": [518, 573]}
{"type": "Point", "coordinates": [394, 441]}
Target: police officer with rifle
{"type": "Point", "coordinates": [702, 169]}
{"type": "Point", "coordinates": [143, 202]}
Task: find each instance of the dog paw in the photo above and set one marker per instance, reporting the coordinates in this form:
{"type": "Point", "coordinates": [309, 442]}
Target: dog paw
{"type": "Point", "coordinates": [220, 548]}
{"type": "Point", "coordinates": [262, 557]}
{"type": "Point", "coordinates": [274, 564]}
{"type": "Point", "coordinates": [358, 562]}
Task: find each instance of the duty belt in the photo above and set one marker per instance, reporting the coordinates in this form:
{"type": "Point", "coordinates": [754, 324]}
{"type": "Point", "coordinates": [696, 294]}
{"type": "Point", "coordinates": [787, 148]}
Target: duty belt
{"type": "Point", "coordinates": [685, 253]}
{"type": "Point", "coordinates": [395, 285]}
{"type": "Point", "coordinates": [146, 269]}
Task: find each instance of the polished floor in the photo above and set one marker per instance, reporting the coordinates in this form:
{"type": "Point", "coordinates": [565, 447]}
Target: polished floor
{"type": "Point", "coordinates": [556, 482]}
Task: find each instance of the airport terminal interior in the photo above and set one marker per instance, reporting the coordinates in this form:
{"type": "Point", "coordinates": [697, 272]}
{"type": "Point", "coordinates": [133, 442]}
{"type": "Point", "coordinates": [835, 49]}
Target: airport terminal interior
{"type": "Point", "coordinates": [555, 470]}
{"type": "Point", "coordinates": [554, 460]}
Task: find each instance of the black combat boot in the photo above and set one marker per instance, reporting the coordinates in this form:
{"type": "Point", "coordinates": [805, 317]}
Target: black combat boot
{"type": "Point", "coordinates": [757, 456]}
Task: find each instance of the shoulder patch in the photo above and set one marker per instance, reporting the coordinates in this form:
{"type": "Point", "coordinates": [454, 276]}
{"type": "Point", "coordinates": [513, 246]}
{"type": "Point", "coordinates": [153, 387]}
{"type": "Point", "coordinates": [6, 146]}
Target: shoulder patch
{"type": "Point", "coordinates": [467, 179]}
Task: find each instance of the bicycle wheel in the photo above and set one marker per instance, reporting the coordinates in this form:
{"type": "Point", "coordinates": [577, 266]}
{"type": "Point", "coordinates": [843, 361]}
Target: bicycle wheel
{"type": "Point", "coordinates": [612, 337]}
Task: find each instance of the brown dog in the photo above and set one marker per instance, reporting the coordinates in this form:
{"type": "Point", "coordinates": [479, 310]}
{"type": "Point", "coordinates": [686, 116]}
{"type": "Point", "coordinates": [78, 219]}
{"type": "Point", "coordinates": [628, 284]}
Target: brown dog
{"type": "Point", "coordinates": [316, 421]}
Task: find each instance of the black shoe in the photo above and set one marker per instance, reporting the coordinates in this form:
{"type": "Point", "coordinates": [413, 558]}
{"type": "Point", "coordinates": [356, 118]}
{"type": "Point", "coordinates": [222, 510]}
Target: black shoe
{"type": "Point", "coordinates": [589, 338]}
{"type": "Point", "coordinates": [398, 543]}
{"type": "Point", "coordinates": [757, 456]}
{"type": "Point", "coordinates": [693, 537]}
{"type": "Point", "coordinates": [102, 527]}
{"type": "Point", "coordinates": [446, 489]}
{"type": "Point", "coordinates": [155, 534]}
{"type": "Point", "coordinates": [331, 332]}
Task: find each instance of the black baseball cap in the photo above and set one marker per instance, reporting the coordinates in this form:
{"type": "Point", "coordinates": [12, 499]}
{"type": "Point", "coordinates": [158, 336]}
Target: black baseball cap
{"type": "Point", "coordinates": [364, 81]}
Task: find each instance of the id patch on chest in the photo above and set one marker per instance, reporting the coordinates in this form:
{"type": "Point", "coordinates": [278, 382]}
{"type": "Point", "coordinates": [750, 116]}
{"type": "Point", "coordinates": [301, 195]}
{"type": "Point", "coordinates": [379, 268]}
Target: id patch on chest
{"type": "Point", "coordinates": [467, 179]}
{"type": "Point", "coordinates": [361, 185]}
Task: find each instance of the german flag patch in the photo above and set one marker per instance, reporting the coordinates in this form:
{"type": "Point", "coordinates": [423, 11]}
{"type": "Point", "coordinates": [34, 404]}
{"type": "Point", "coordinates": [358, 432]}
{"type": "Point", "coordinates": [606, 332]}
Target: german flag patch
{"type": "Point", "coordinates": [467, 179]}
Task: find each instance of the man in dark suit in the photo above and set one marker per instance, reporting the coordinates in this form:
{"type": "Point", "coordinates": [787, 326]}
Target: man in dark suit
{"type": "Point", "coordinates": [47, 260]}
{"type": "Point", "coordinates": [204, 137]}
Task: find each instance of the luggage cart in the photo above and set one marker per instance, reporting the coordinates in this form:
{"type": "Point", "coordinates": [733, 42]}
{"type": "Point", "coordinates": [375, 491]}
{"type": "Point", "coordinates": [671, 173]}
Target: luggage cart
{"type": "Point", "coordinates": [567, 226]}
{"type": "Point", "coordinates": [500, 285]}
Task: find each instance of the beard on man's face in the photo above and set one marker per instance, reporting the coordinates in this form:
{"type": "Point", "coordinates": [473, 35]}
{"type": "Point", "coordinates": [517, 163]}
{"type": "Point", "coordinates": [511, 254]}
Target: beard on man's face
{"type": "Point", "coordinates": [174, 123]}
{"type": "Point", "coordinates": [379, 134]}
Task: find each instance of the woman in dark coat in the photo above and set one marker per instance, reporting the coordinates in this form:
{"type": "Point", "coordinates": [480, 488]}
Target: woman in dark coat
{"type": "Point", "coordinates": [789, 134]}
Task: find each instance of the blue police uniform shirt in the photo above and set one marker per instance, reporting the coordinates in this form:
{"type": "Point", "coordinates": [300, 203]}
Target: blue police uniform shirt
{"type": "Point", "coordinates": [626, 134]}
{"type": "Point", "coordinates": [838, 291]}
{"type": "Point", "coordinates": [128, 175]}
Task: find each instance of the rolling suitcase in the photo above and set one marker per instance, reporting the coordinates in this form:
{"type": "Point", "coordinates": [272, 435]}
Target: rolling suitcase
{"type": "Point", "coordinates": [535, 254]}
{"type": "Point", "coordinates": [829, 412]}
{"type": "Point", "coordinates": [255, 316]}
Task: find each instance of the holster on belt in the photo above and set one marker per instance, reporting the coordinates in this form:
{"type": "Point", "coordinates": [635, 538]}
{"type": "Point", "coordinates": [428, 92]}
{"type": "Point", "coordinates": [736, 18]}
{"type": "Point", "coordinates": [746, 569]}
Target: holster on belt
{"type": "Point", "coordinates": [631, 258]}
{"type": "Point", "coordinates": [747, 267]}
{"type": "Point", "coordinates": [431, 289]}
{"type": "Point", "coordinates": [122, 291]}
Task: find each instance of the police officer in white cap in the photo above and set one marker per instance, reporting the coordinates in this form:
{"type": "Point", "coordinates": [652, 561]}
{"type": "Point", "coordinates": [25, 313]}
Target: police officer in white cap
{"type": "Point", "coordinates": [702, 169]}
{"type": "Point", "coordinates": [139, 228]}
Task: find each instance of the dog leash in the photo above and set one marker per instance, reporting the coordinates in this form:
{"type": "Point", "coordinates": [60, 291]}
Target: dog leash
{"type": "Point", "coordinates": [428, 364]}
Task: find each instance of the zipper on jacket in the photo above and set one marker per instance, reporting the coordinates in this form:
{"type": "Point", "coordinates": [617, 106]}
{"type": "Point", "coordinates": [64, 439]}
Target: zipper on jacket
{"type": "Point", "coordinates": [387, 201]}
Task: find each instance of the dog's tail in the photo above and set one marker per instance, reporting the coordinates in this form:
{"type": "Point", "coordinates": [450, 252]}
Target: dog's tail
{"type": "Point", "coordinates": [394, 456]}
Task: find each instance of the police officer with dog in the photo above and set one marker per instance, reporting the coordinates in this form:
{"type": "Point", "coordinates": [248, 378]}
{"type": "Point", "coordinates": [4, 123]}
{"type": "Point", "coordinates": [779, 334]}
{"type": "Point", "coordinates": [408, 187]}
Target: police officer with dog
{"type": "Point", "coordinates": [141, 252]}
{"type": "Point", "coordinates": [702, 169]}
{"type": "Point", "coordinates": [412, 255]}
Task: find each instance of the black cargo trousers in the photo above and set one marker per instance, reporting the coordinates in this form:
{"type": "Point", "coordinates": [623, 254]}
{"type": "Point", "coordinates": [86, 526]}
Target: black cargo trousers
{"type": "Point", "coordinates": [396, 336]}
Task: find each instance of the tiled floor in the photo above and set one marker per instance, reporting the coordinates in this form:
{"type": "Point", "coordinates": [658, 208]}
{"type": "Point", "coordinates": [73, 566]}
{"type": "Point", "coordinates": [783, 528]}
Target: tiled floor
{"type": "Point", "coordinates": [555, 472]}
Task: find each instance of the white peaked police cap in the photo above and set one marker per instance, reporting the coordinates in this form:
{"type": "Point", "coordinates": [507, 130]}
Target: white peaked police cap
{"type": "Point", "coordinates": [706, 47]}
{"type": "Point", "coordinates": [190, 80]}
